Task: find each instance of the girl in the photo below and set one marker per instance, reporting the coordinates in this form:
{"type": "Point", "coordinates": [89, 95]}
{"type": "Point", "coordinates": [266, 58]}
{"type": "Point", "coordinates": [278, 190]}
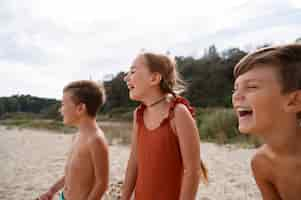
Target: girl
{"type": "Point", "coordinates": [165, 159]}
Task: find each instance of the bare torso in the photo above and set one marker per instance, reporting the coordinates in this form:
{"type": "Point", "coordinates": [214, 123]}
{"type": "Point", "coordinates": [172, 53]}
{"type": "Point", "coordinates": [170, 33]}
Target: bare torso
{"type": "Point", "coordinates": [281, 173]}
{"type": "Point", "coordinates": [287, 176]}
{"type": "Point", "coordinates": [79, 173]}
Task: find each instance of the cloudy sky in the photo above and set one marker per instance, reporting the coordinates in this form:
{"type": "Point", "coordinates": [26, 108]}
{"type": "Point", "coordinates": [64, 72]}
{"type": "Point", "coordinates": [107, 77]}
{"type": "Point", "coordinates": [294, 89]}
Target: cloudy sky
{"type": "Point", "coordinates": [45, 44]}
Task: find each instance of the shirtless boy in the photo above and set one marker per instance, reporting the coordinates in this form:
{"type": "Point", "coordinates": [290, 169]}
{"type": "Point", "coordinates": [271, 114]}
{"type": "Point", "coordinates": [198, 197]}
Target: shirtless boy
{"type": "Point", "coordinates": [87, 166]}
{"type": "Point", "coordinates": [267, 102]}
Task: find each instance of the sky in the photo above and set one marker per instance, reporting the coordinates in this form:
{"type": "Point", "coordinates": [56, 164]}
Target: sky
{"type": "Point", "coordinates": [46, 44]}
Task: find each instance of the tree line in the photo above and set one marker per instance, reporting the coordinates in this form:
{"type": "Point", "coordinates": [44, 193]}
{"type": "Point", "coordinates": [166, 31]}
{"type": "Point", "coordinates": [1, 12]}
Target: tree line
{"type": "Point", "coordinates": [29, 104]}
{"type": "Point", "coordinates": [209, 80]}
{"type": "Point", "coordinates": [209, 84]}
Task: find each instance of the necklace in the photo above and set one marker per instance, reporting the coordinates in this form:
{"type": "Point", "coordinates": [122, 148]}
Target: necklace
{"type": "Point", "coordinates": [156, 102]}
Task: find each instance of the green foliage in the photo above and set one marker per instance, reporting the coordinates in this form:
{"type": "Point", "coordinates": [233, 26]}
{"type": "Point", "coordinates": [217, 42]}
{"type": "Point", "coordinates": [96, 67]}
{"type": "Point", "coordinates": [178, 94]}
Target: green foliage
{"type": "Point", "coordinates": [117, 94]}
{"type": "Point", "coordinates": [118, 114]}
{"type": "Point", "coordinates": [210, 78]}
{"type": "Point", "coordinates": [34, 121]}
{"type": "Point", "coordinates": [2, 109]}
{"type": "Point", "coordinates": [52, 112]}
{"type": "Point", "coordinates": [220, 125]}
{"type": "Point", "coordinates": [25, 103]}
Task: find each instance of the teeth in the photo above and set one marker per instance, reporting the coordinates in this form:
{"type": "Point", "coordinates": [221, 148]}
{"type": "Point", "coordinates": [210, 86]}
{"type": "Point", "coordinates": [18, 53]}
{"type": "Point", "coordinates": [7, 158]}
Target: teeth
{"type": "Point", "coordinates": [243, 109]}
{"type": "Point", "coordinates": [130, 87]}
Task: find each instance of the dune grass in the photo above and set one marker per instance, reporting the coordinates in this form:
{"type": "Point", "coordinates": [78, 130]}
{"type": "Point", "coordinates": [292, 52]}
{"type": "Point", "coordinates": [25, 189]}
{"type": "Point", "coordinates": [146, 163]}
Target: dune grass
{"type": "Point", "coordinates": [34, 121]}
{"type": "Point", "coordinates": [218, 125]}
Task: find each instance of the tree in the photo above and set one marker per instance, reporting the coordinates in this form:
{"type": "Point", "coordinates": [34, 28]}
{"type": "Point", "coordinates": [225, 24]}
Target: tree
{"type": "Point", "coordinates": [117, 93]}
{"type": "Point", "coordinates": [211, 53]}
{"type": "Point", "coordinates": [2, 109]}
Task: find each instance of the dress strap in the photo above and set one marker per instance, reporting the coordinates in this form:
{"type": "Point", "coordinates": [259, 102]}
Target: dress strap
{"type": "Point", "coordinates": [180, 100]}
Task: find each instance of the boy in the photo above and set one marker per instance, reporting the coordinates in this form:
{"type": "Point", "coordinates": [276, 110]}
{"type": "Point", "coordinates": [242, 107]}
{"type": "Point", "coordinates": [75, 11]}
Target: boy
{"type": "Point", "coordinates": [87, 166]}
{"type": "Point", "coordinates": [267, 102]}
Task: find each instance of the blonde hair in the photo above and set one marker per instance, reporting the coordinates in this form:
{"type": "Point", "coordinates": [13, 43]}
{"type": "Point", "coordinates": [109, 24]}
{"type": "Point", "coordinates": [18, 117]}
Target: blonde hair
{"type": "Point", "coordinates": [171, 81]}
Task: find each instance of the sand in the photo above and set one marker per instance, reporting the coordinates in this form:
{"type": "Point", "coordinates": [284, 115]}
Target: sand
{"type": "Point", "coordinates": [32, 160]}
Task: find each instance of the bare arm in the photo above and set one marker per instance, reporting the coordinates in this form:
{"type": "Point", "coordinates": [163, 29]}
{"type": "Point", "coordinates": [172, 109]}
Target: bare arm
{"type": "Point", "coordinates": [53, 189]}
{"type": "Point", "coordinates": [100, 159]}
{"type": "Point", "coordinates": [131, 171]}
{"type": "Point", "coordinates": [261, 172]}
{"type": "Point", "coordinates": [189, 141]}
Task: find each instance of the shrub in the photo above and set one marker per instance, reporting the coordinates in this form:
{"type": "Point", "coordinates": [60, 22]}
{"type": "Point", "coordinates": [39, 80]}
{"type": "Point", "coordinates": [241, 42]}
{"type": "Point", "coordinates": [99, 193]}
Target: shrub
{"type": "Point", "coordinates": [220, 125]}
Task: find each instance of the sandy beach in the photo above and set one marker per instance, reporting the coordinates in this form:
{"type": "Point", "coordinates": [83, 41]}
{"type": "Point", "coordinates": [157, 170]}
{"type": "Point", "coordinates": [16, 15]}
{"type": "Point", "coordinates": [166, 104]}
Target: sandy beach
{"type": "Point", "coordinates": [32, 160]}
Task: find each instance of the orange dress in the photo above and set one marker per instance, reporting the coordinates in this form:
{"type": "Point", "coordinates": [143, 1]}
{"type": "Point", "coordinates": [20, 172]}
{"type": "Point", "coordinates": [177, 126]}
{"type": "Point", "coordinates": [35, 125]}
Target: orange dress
{"type": "Point", "coordinates": [160, 167]}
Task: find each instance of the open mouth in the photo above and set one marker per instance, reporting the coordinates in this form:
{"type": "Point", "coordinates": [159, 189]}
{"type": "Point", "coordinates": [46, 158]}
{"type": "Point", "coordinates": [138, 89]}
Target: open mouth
{"type": "Point", "coordinates": [130, 87]}
{"type": "Point", "coordinates": [242, 112]}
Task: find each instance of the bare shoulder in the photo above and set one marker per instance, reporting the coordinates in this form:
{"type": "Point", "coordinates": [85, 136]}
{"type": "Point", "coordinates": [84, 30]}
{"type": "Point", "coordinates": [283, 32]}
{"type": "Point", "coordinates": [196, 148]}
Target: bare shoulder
{"type": "Point", "coordinates": [98, 141]}
{"type": "Point", "coordinates": [183, 123]}
{"type": "Point", "coordinates": [181, 111]}
{"type": "Point", "coordinates": [261, 162]}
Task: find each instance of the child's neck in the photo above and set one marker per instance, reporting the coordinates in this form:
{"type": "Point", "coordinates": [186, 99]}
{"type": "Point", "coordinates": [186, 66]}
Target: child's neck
{"type": "Point", "coordinates": [154, 99]}
{"type": "Point", "coordinates": [87, 125]}
{"type": "Point", "coordinates": [285, 141]}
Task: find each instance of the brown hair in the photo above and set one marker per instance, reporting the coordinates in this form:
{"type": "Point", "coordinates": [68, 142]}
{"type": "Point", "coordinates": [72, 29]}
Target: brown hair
{"type": "Point", "coordinates": [164, 65]}
{"type": "Point", "coordinates": [87, 92]}
{"type": "Point", "coordinates": [285, 59]}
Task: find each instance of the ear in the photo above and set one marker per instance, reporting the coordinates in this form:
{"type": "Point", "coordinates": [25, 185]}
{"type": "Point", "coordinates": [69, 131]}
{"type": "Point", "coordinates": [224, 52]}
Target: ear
{"type": "Point", "coordinates": [294, 102]}
{"type": "Point", "coordinates": [81, 108]}
{"type": "Point", "coordinates": [156, 78]}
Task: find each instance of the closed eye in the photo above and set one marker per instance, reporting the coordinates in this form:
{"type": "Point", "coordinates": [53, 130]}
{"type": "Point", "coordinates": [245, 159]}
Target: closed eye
{"type": "Point", "coordinates": [252, 87]}
{"type": "Point", "coordinates": [132, 70]}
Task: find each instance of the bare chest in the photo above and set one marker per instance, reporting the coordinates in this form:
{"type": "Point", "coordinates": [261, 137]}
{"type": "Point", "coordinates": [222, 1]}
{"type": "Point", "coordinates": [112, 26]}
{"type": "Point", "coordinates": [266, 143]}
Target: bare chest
{"type": "Point", "coordinates": [78, 158]}
{"type": "Point", "coordinates": [287, 178]}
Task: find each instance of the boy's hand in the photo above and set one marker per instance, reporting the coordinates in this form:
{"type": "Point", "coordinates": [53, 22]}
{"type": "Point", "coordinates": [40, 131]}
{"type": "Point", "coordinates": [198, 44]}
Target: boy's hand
{"type": "Point", "coordinates": [46, 196]}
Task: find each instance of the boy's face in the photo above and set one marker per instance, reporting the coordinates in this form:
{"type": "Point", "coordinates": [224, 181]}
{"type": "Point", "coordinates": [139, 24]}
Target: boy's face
{"type": "Point", "coordinates": [69, 110]}
{"type": "Point", "coordinates": [138, 79]}
{"type": "Point", "coordinates": [257, 100]}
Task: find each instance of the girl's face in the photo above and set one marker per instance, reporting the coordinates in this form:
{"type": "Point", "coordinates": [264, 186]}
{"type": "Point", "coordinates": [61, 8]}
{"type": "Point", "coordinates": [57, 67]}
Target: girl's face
{"type": "Point", "coordinates": [139, 79]}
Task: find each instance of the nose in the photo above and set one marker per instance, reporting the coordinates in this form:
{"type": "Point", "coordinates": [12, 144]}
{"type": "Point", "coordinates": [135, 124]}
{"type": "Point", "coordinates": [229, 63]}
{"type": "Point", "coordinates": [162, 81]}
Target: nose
{"type": "Point", "coordinates": [237, 96]}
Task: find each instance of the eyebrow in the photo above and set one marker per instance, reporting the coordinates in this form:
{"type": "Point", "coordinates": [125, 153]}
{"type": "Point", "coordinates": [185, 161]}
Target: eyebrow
{"type": "Point", "coordinates": [249, 80]}
{"type": "Point", "coordinates": [252, 79]}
